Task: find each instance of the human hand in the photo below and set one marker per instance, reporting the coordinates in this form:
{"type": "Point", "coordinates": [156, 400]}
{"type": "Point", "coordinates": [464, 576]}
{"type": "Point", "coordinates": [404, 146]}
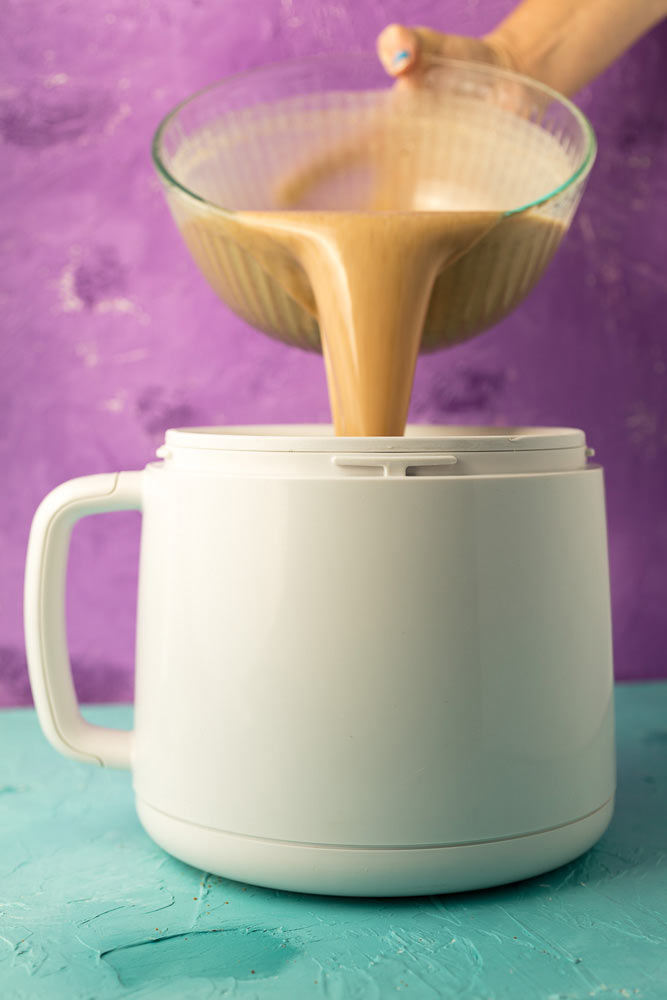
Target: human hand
{"type": "Point", "coordinates": [564, 44]}
{"type": "Point", "coordinates": [405, 52]}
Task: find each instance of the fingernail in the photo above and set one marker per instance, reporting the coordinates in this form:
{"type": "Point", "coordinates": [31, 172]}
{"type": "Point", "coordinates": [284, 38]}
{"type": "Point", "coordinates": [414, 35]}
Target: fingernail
{"type": "Point", "coordinates": [400, 58]}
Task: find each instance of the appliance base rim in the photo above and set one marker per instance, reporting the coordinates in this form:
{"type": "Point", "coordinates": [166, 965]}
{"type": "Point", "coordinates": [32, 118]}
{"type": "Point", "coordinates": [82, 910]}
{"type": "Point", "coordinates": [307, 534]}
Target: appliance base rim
{"type": "Point", "coordinates": [372, 871]}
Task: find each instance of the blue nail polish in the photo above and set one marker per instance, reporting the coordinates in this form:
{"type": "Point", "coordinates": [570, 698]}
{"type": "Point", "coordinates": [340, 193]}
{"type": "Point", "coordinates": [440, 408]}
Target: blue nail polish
{"type": "Point", "coordinates": [401, 57]}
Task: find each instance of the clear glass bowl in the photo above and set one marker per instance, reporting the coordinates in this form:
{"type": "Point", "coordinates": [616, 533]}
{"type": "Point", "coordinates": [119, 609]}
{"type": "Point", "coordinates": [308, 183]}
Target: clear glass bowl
{"type": "Point", "coordinates": [324, 133]}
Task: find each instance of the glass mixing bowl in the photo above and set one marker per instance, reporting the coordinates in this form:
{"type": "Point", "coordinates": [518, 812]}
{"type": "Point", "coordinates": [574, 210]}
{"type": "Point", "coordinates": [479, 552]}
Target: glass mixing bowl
{"type": "Point", "coordinates": [325, 134]}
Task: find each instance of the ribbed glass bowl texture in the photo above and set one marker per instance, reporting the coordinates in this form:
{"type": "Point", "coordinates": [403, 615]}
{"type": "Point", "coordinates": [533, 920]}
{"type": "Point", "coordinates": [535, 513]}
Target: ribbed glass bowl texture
{"type": "Point", "coordinates": [333, 133]}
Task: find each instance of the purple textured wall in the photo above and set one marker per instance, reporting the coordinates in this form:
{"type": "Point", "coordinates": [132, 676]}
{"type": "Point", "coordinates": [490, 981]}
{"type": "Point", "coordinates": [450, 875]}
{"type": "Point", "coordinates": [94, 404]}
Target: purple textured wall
{"type": "Point", "coordinates": [109, 335]}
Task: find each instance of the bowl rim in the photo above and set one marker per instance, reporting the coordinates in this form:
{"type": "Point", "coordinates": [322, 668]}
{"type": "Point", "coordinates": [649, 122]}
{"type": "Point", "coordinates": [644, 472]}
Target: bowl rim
{"type": "Point", "coordinates": [497, 72]}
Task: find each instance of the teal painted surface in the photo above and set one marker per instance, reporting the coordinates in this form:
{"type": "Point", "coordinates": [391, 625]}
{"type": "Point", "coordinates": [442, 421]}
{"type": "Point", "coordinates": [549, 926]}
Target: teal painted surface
{"type": "Point", "coordinates": [90, 909]}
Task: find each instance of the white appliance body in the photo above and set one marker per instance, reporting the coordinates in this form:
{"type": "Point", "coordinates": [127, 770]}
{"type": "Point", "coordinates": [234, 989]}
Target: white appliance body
{"type": "Point", "coordinates": [365, 667]}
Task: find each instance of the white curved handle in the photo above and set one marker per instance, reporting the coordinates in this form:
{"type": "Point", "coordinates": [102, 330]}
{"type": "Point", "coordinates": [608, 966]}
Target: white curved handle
{"type": "Point", "coordinates": [44, 615]}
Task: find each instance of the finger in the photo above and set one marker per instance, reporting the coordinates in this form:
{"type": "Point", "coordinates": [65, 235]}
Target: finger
{"type": "Point", "coordinates": [398, 49]}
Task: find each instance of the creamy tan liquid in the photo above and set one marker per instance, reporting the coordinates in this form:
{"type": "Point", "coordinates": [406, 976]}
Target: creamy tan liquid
{"type": "Point", "coordinates": [415, 264]}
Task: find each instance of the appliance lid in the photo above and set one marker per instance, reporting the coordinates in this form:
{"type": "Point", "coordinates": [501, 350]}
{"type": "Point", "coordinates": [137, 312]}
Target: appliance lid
{"type": "Point", "coordinates": [421, 439]}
